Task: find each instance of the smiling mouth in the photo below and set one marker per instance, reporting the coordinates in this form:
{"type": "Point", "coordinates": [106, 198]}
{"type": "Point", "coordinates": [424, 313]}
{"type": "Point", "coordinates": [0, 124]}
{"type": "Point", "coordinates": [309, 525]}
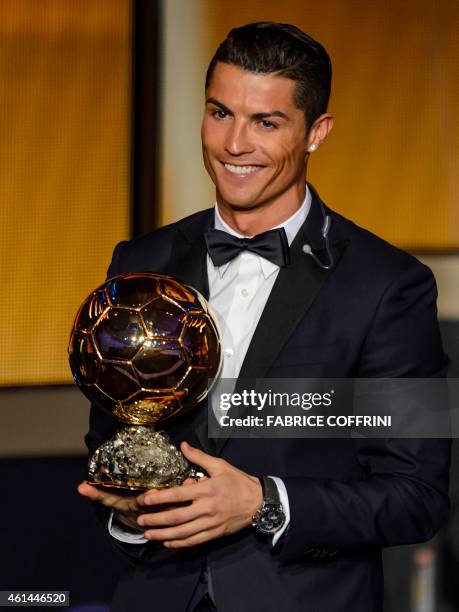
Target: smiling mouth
{"type": "Point", "coordinates": [241, 170]}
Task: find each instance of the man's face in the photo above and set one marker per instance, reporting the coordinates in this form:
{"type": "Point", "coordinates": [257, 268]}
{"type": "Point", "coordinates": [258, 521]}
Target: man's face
{"type": "Point", "coordinates": [253, 138]}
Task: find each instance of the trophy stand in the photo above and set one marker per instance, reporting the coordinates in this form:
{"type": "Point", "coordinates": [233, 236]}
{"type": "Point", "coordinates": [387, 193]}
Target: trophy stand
{"type": "Point", "coordinates": [143, 348]}
{"type": "Point", "coordinates": [137, 458]}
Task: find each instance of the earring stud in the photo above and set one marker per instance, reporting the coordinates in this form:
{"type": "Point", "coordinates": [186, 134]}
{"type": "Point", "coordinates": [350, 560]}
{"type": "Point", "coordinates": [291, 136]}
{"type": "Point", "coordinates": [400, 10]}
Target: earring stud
{"type": "Point", "coordinates": [313, 147]}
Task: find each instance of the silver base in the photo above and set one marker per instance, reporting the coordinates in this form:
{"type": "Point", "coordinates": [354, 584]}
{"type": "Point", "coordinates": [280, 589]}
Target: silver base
{"type": "Point", "coordinates": [139, 458]}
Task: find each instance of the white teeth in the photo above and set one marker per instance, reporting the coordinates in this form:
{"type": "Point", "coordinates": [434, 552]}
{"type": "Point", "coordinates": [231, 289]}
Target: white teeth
{"type": "Point", "coordinates": [241, 169]}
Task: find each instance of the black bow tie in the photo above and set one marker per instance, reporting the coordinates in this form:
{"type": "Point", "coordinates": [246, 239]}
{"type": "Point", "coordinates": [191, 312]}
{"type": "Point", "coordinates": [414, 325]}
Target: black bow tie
{"type": "Point", "coordinates": [272, 245]}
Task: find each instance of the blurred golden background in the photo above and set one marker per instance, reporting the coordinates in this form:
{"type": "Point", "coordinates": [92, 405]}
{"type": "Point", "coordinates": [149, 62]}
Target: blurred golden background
{"type": "Point", "coordinates": [65, 171]}
{"type": "Point", "coordinates": [66, 133]}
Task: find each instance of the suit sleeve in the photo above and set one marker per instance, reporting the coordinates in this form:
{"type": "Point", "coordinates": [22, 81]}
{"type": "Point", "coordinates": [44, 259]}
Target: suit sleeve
{"type": "Point", "coordinates": [402, 497]}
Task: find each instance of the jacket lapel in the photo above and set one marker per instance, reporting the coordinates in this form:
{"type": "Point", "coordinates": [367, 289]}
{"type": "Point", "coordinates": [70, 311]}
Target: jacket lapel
{"type": "Point", "coordinates": [188, 263]}
{"type": "Point", "coordinates": [293, 293]}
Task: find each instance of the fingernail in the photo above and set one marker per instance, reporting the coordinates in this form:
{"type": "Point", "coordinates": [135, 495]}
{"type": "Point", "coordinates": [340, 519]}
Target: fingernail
{"type": "Point", "coordinates": [140, 520]}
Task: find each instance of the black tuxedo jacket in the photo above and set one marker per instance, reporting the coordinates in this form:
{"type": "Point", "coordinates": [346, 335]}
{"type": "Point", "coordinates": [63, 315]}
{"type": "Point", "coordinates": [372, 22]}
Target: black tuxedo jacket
{"type": "Point", "coordinates": [372, 315]}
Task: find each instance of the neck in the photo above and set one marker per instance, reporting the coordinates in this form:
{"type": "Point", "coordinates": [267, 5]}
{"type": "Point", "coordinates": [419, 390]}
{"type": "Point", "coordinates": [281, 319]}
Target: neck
{"type": "Point", "coordinates": [264, 216]}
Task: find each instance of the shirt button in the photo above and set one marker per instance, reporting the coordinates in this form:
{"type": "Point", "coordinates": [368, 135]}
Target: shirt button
{"type": "Point", "coordinates": [244, 292]}
{"type": "Point", "coordinates": [228, 352]}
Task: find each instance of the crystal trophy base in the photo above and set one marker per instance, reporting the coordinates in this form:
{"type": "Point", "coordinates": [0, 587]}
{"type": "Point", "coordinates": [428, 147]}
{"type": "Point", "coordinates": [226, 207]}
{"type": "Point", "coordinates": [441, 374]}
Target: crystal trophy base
{"type": "Point", "coordinates": [139, 458]}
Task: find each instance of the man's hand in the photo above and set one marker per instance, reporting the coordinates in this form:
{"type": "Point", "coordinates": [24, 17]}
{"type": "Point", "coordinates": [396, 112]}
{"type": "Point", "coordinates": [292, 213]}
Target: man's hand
{"type": "Point", "coordinates": [127, 508]}
{"type": "Point", "coordinates": [216, 506]}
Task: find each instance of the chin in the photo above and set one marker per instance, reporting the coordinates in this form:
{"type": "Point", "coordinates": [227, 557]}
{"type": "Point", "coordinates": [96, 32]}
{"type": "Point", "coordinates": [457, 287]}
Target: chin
{"type": "Point", "coordinates": [241, 194]}
{"type": "Point", "coordinates": [239, 200]}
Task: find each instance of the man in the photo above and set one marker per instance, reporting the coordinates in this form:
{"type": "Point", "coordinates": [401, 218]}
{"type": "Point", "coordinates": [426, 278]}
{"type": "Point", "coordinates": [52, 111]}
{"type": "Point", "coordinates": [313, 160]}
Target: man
{"type": "Point", "coordinates": [325, 299]}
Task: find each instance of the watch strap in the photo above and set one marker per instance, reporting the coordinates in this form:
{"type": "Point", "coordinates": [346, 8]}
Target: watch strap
{"type": "Point", "coordinates": [270, 517]}
{"type": "Point", "coordinates": [270, 490]}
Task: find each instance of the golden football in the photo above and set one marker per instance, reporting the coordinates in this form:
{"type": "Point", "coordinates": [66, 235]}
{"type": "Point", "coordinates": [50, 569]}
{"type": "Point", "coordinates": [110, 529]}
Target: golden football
{"type": "Point", "coordinates": [143, 347]}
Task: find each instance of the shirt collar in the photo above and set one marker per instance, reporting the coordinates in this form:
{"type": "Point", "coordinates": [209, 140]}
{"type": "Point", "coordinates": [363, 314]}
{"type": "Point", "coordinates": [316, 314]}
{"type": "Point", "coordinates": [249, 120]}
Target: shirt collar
{"type": "Point", "coordinates": [290, 225]}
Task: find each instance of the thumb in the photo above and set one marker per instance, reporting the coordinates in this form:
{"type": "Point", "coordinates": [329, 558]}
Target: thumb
{"type": "Point", "coordinates": [211, 464]}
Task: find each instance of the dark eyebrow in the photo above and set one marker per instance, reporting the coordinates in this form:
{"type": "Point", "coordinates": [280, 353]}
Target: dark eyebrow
{"type": "Point", "coordinates": [275, 113]}
{"type": "Point", "coordinates": [219, 104]}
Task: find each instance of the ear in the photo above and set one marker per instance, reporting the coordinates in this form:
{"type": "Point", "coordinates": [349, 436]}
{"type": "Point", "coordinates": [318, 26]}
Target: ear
{"type": "Point", "coordinates": [319, 131]}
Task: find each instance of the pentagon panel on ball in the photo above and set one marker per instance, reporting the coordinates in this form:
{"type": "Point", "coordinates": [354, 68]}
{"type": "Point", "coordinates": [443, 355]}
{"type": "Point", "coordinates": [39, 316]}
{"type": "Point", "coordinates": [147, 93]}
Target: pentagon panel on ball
{"type": "Point", "coordinates": [143, 348]}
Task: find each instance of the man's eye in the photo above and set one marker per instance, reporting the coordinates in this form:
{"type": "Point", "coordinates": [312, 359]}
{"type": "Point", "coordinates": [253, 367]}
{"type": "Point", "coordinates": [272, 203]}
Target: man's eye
{"type": "Point", "coordinates": [268, 124]}
{"type": "Point", "coordinates": [219, 114]}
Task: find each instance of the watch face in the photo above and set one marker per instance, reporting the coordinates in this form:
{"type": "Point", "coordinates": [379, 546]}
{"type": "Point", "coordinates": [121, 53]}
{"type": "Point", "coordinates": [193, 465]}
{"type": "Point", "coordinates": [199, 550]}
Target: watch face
{"type": "Point", "coordinates": [271, 518]}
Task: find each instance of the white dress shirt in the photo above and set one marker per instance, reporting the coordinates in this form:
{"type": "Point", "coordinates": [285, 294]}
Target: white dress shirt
{"type": "Point", "coordinates": [239, 291]}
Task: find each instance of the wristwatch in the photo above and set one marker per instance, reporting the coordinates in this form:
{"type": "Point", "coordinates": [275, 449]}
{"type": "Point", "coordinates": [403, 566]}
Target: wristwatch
{"type": "Point", "coordinates": [270, 517]}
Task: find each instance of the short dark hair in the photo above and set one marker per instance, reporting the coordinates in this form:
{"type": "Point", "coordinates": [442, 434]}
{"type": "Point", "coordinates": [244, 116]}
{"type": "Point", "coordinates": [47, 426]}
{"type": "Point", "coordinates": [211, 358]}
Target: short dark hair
{"type": "Point", "coordinates": [266, 47]}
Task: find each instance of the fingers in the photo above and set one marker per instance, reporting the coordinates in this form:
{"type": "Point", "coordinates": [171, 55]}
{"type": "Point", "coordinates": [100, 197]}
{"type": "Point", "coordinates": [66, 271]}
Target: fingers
{"type": "Point", "coordinates": [212, 465]}
{"type": "Point", "coordinates": [198, 538]}
{"type": "Point", "coordinates": [189, 481]}
{"type": "Point", "coordinates": [181, 532]}
{"type": "Point", "coordinates": [173, 495]}
{"type": "Point", "coordinates": [172, 516]}
{"type": "Point", "coordinates": [123, 503]}
{"type": "Point", "coordinates": [89, 491]}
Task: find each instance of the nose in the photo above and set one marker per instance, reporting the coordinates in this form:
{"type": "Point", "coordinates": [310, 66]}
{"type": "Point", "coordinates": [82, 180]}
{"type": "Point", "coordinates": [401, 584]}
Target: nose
{"type": "Point", "coordinates": [238, 141]}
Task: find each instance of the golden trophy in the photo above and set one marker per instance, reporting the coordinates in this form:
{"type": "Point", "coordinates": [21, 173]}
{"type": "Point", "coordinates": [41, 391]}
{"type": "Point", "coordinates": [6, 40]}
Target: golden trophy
{"type": "Point", "coordinates": [143, 348]}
